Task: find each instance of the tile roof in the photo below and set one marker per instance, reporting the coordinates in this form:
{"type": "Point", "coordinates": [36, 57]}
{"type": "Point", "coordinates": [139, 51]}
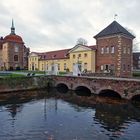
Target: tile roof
{"type": "Point", "coordinates": [93, 47]}
{"type": "Point", "coordinates": [112, 29]}
{"type": "Point", "coordinates": [59, 54]}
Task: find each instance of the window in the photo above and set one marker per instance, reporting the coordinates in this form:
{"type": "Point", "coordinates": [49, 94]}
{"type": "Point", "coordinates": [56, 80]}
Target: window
{"type": "Point", "coordinates": [128, 67]}
{"type": "Point", "coordinates": [42, 67]}
{"type": "Point", "coordinates": [85, 65]}
{"type": "Point", "coordinates": [85, 54]}
{"type": "Point", "coordinates": [65, 66]}
{"type": "Point", "coordinates": [124, 50]}
{"type": "Point", "coordinates": [102, 50]}
{"type": "Point", "coordinates": [16, 48]}
{"type": "Point", "coordinates": [15, 57]}
{"type": "Point", "coordinates": [58, 66]}
{"type": "Point", "coordinates": [102, 67]}
{"type": "Point", "coordinates": [79, 55]}
{"type": "Point", "coordinates": [112, 49]}
{"type": "Point", "coordinates": [47, 67]}
{"type": "Point", "coordinates": [106, 68]}
{"type": "Point", "coordinates": [123, 67]}
{"type": "Point", "coordinates": [107, 49]}
{"type": "Point", "coordinates": [73, 55]}
{"type": "Point", "coordinates": [35, 67]}
{"type": "Point", "coordinates": [128, 50]}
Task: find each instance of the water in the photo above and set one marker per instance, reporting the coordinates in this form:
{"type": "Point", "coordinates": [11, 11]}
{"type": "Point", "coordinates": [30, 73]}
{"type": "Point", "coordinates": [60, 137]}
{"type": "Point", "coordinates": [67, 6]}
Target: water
{"type": "Point", "coordinates": [40, 116]}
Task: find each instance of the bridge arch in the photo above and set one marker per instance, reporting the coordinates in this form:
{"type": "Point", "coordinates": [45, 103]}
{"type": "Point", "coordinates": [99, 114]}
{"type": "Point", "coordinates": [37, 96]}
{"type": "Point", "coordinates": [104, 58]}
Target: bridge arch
{"type": "Point", "coordinates": [82, 91]}
{"type": "Point", "coordinates": [136, 97]}
{"type": "Point", "coordinates": [109, 93]}
{"type": "Point", "coordinates": [62, 87]}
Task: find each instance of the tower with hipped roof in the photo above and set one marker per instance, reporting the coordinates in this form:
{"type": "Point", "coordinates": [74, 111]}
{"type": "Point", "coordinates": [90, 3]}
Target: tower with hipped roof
{"type": "Point", "coordinates": [114, 50]}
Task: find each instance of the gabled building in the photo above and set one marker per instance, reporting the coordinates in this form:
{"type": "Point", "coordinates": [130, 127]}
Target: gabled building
{"type": "Point", "coordinates": [114, 50]}
{"type": "Point", "coordinates": [85, 57]}
{"type": "Point", "coordinates": [65, 59]}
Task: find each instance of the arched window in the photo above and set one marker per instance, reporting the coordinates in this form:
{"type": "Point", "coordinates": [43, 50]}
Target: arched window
{"type": "Point", "coordinates": [15, 57]}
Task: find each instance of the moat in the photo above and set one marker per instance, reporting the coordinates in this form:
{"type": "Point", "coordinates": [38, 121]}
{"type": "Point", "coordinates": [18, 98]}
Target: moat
{"type": "Point", "coordinates": [43, 115]}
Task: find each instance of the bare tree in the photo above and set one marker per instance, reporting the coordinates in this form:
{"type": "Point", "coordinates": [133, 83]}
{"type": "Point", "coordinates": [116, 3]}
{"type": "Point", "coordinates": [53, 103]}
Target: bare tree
{"type": "Point", "coordinates": [81, 41]}
{"type": "Point", "coordinates": [136, 44]}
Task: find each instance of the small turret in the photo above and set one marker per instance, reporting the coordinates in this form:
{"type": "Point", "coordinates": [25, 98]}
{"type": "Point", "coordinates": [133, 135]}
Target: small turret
{"type": "Point", "coordinates": [12, 28]}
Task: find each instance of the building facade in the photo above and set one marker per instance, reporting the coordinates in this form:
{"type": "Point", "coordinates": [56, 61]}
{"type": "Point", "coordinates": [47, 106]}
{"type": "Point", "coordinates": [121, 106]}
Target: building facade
{"type": "Point", "coordinates": [65, 59]}
{"type": "Point", "coordinates": [112, 54]}
{"type": "Point", "coordinates": [114, 50]}
{"type": "Point", "coordinates": [13, 52]}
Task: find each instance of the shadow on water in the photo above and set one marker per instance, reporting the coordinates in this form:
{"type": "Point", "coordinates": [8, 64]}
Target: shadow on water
{"type": "Point", "coordinates": [111, 115]}
{"type": "Point", "coordinates": [22, 96]}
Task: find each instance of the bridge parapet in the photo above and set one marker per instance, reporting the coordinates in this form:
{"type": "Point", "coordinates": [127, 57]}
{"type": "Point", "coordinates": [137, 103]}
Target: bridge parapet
{"type": "Point", "coordinates": [126, 88]}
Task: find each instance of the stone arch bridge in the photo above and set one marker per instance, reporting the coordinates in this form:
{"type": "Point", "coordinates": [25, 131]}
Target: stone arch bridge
{"type": "Point", "coordinates": [126, 88]}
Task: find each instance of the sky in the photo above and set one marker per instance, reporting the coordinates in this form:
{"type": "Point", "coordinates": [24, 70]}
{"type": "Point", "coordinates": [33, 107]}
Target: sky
{"type": "Point", "coordinates": [47, 25]}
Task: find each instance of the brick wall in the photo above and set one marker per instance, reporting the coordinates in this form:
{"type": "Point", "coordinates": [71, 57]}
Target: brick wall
{"type": "Point", "coordinates": [116, 60]}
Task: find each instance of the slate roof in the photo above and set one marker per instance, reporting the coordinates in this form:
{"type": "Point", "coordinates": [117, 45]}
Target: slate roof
{"type": "Point", "coordinates": [112, 29]}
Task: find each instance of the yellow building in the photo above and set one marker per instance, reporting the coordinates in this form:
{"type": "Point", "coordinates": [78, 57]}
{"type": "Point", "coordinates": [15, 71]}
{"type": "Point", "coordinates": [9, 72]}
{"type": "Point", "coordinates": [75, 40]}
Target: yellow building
{"type": "Point", "coordinates": [82, 55]}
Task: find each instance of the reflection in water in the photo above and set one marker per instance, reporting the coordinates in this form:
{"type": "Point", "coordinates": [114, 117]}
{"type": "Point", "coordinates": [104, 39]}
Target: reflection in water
{"type": "Point", "coordinates": [52, 115]}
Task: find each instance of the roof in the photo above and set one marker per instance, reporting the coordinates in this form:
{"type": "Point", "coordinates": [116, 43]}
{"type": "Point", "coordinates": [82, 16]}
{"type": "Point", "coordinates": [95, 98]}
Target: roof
{"type": "Point", "coordinates": [93, 47]}
{"type": "Point", "coordinates": [113, 29]}
{"type": "Point", "coordinates": [13, 38]}
{"type": "Point", "coordinates": [59, 54]}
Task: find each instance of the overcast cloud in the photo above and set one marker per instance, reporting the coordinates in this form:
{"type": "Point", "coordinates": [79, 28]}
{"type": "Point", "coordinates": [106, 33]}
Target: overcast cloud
{"type": "Point", "coordinates": [57, 24]}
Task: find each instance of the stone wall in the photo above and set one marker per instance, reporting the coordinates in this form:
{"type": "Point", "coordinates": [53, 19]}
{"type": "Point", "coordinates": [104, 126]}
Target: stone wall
{"type": "Point", "coordinates": [23, 83]}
